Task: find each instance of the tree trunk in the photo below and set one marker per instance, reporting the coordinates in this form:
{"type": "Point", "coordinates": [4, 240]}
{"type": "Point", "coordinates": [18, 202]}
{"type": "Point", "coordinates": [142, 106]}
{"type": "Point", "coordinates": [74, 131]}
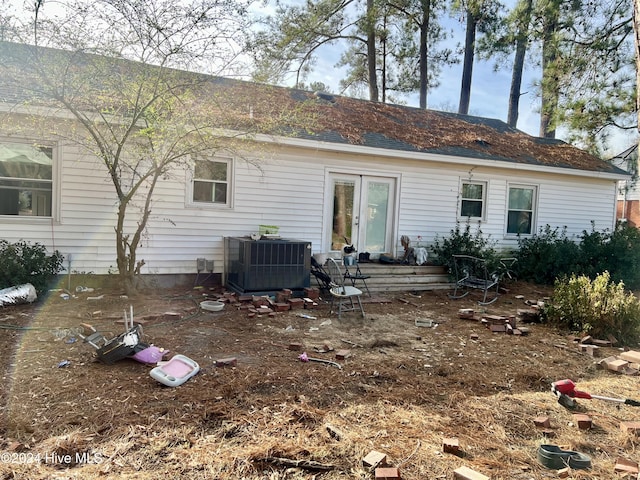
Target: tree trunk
{"type": "Point", "coordinates": [550, 89]}
{"type": "Point", "coordinates": [423, 60]}
{"type": "Point", "coordinates": [467, 66]}
{"type": "Point", "coordinates": [636, 36]}
{"type": "Point", "coordinates": [518, 65]}
{"type": "Point", "coordinates": [371, 52]}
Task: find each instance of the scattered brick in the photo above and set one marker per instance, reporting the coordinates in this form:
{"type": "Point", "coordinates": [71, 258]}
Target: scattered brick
{"type": "Point", "coordinates": [312, 292]}
{"type": "Point", "coordinates": [584, 421]}
{"type": "Point", "coordinates": [282, 307]}
{"type": "Point", "coordinates": [374, 459]}
{"type": "Point", "coordinates": [296, 303]}
{"type": "Point", "coordinates": [335, 433]}
{"type": "Point", "coordinates": [474, 336]}
{"type": "Point", "coordinates": [465, 473]}
{"type": "Point", "coordinates": [542, 422]}
{"type": "Point", "coordinates": [343, 354]}
{"type": "Point", "coordinates": [586, 340]}
{"type": "Point", "coordinates": [466, 313]}
{"type": "Point", "coordinates": [591, 350]}
{"type": "Point", "coordinates": [564, 472]}
{"type": "Point", "coordinates": [227, 362]}
{"type": "Point", "coordinates": [497, 328]}
{"type": "Point", "coordinates": [624, 465]}
{"type": "Point", "coordinates": [451, 445]}
{"type": "Point", "coordinates": [617, 365]}
{"type": "Point", "coordinates": [630, 427]}
{"type": "Point", "coordinates": [632, 356]}
{"type": "Point", "coordinates": [387, 473]}
{"type": "Point", "coordinates": [245, 298]}
{"type": "Point", "coordinates": [310, 303]}
{"type": "Point", "coordinates": [296, 347]}
{"type": "Point", "coordinates": [602, 343]}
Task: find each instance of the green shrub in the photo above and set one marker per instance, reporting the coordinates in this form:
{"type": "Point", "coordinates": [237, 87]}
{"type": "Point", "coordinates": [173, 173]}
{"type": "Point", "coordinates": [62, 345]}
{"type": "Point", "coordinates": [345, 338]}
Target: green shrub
{"type": "Point", "coordinates": [464, 242]}
{"type": "Point", "coordinates": [22, 262]}
{"type": "Point", "coordinates": [548, 255]}
{"type": "Point", "coordinates": [598, 307]}
{"type": "Point", "coordinates": [618, 252]}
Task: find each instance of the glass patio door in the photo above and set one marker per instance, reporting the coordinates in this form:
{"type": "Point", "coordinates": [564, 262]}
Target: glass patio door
{"type": "Point", "coordinates": [362, 212]}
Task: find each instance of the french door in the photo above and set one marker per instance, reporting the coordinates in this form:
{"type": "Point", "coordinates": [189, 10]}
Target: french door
{"type": "Point", "coordinates": [362, 212]}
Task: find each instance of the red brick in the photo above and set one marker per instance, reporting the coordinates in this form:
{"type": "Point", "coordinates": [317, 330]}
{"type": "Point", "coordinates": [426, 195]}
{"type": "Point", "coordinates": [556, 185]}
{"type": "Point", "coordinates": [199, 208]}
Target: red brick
{"type": "Point", "coordinates": [227, 362]}
{"type": "Point", "coordinates": [498, 328]}
{"type": "Point", "coordinates": [584, 421]}
{"type": "Point", "coordinates": [564, 472]}
{"type": "Point", "coordinates": [387, 473]}
{"type": "Point", "coordinates": [451, 445]}
{"type": "Point", "coordinates": [296, 347]}
{"type": "Point", "coordinates": [542, 422]}
{"type": "Point", "coordinates": [465, 473]}
{"type": "Point", "coordinates": [312, 292]}
{"type": "Point", "coordinates": [282, 307]}
{"type": "Point", "coordinates": [296, 303]}
{"type": "Point", "coordinates": [343, 354]}
{"type": "Point", "coordinates": [624, 465]}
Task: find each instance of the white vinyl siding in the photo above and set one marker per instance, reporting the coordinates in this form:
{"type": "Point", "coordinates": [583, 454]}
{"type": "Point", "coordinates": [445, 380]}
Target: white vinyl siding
{"type": "Point", "coordinates": [285, 186]}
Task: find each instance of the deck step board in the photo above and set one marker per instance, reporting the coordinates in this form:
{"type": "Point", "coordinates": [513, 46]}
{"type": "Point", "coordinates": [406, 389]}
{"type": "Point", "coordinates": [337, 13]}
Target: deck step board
{"type": "Point", "coordinates": [398, 278]}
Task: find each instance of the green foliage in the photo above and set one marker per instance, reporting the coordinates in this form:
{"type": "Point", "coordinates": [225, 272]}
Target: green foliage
{"type": "Point", "coordinates": [598, 307]}
{"type": "Point", "coordinates": [545, 256]}
{"type": "Point", "coordinates": [22, 262]}
{"type": "Point", "coordinates": [464, 242]}
{"type": "Point", "coordinates": [617, 252]}
{"type": "Point", "coordinates": [550, 254]}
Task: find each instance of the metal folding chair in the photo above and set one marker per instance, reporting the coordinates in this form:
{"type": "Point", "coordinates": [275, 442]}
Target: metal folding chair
{"type": "Point", "coordinates": [353, 273]}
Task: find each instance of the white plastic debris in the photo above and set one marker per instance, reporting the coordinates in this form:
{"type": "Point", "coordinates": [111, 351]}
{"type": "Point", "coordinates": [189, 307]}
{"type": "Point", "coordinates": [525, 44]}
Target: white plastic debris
{"type": "Point", "coordinates": [25, 293]}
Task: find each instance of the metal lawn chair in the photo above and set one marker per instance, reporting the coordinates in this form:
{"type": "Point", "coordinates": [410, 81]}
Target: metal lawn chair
{"type": "Point", "coordinates": [347, 296]}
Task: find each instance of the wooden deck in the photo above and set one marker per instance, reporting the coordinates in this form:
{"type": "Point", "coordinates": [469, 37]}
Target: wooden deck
{"type": "Point", "coordinates": [399, 278]}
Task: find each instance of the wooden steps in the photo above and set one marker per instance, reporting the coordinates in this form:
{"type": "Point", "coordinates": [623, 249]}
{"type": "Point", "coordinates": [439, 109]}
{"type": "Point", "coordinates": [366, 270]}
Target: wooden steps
{"type": "Point", "coordinates": [399, 278]}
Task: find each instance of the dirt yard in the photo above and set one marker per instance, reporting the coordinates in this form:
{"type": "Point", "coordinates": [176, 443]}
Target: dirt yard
{"type": "Point", "coordinates": [402, 390]}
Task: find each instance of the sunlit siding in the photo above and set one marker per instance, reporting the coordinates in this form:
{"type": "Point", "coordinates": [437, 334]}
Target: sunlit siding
{"type": "Point", "coordinates": [287, 187]}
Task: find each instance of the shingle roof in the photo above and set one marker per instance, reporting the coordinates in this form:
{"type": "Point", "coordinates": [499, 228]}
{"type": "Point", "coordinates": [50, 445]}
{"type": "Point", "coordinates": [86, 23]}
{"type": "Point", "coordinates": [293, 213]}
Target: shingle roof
{"type": "Point", "coordinates": [345, 120]}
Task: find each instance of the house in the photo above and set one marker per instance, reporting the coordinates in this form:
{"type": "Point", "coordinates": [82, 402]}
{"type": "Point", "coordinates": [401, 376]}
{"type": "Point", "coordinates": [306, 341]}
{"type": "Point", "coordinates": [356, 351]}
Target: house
{"type": "Point", "coordinates": [628, 209]}
{"type": "Point", "coordinates": [366, 171]}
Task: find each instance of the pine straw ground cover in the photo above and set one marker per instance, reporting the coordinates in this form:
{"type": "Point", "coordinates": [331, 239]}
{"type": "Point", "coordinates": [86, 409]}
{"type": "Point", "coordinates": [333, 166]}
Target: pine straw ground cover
{"type": "Point", "coordinates": [403, 390]}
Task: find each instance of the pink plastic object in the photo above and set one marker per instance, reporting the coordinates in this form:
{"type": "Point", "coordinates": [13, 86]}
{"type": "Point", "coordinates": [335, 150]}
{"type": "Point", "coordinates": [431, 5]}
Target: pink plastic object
{"type": "Point", "coordinates": [176, 371]}
{"type": "Point", "coordinates": [152, 354]}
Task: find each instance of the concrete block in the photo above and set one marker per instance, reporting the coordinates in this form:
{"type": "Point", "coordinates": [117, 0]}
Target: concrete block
{"type": "Point", "coordinates": [465, 473]}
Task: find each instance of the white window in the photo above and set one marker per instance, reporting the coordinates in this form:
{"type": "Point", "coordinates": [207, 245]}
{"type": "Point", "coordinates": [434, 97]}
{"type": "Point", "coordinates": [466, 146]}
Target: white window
{"type": "Point", "coordinates": [472, 199]}
{"type": "Point", "coordinates": [26, 179]}
{"type": "Point", "coordinates": [211, 181]}
{"type": "Point", "coordinates": [521, 206]}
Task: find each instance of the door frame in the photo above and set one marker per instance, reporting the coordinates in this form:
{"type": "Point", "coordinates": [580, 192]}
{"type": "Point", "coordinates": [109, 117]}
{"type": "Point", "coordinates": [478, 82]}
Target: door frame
{"type": "Point", "coordinates": [327, 221]}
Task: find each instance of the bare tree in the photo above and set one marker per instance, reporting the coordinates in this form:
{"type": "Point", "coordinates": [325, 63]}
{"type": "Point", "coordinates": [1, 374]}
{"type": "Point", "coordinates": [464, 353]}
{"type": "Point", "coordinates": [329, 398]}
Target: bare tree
{"type": "Point", "coordinates": [114, 77]}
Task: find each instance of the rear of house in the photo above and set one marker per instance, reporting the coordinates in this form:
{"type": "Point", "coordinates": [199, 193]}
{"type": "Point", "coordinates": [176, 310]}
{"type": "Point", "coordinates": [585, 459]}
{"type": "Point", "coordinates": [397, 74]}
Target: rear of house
{"type": "Point", "coordinates": [366, 174]}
